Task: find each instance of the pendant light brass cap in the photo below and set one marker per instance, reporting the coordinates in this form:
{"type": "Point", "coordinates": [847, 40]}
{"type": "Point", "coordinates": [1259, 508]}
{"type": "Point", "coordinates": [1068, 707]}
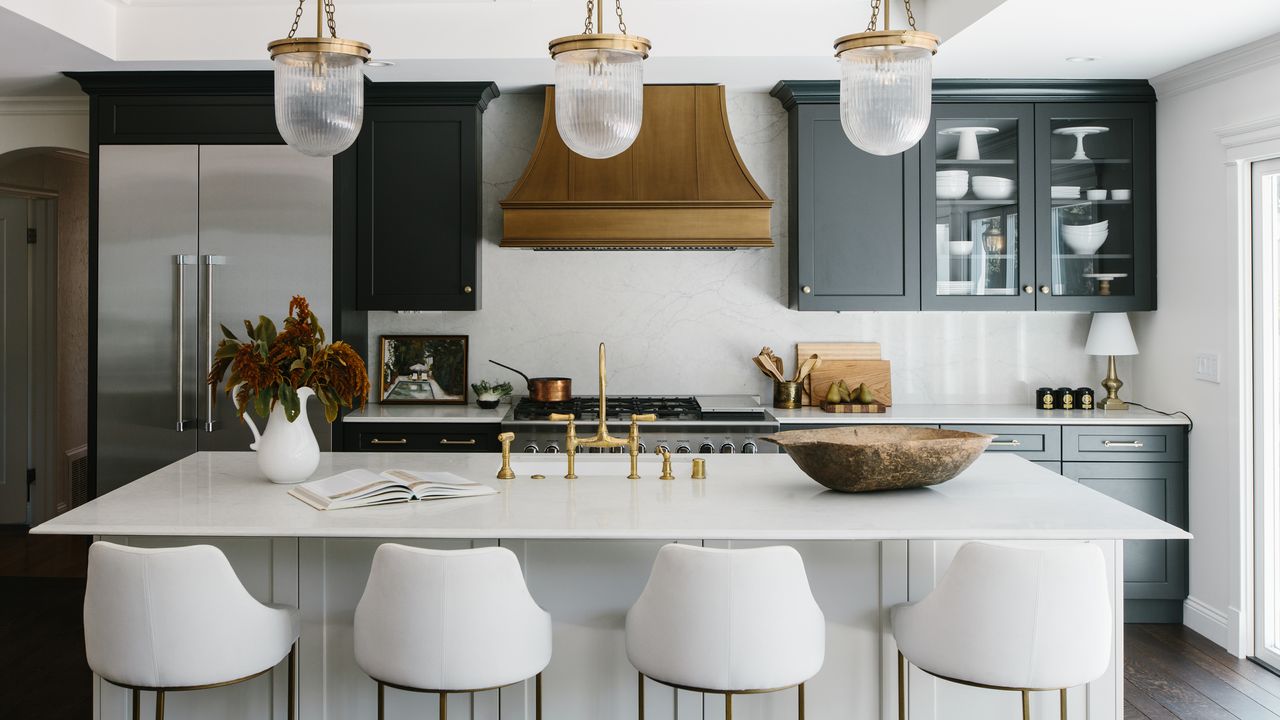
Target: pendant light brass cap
{"type": "Point", "coordinates": [601, 41]}
{"type": "Point", "coordinates": [888, 38]}
{"type": "Point", "coordinates": [285, 46]}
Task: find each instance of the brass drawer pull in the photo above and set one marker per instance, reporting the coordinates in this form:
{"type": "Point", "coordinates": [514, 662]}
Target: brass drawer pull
{"type": "Point", "coordinates": [447, 441]}
{"type": "Point", "coordinates": [1122, 443]}
{"type": "Point", "coordinates": [379, 441]}
{"type": "Point", "coordinates": [1006, 443]}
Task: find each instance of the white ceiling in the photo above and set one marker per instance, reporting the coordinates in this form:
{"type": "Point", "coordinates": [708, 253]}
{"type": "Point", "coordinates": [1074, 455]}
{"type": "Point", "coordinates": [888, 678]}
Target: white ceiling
{"type": "Point", "coordinates": [742, 43]}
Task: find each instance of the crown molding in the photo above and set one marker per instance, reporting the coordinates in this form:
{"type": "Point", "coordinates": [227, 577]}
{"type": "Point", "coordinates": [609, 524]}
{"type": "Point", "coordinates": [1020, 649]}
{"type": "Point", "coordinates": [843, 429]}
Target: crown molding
{"type": "Point", "coordinates": [1216, 68]}
{"type": "Point", "coordinates": [71, 105]}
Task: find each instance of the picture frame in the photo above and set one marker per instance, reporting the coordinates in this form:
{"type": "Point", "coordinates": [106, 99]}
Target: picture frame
{"type": "Point", "coordinates": [422, 370]}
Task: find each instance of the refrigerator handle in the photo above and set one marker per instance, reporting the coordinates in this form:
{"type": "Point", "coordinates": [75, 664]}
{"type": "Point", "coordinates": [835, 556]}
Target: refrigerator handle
{"type": "Point", "coordinates": [181, 262]}
{"type": "Point", "coordinates": [210, 423]}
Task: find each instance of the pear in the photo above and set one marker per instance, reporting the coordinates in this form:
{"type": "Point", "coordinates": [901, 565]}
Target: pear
{"type": "Point", "coordinates": [845, 395]}
{"type": "Point", "coordinates": [833, 394]}
{"type": "Point", "coordinates": [864, 395]}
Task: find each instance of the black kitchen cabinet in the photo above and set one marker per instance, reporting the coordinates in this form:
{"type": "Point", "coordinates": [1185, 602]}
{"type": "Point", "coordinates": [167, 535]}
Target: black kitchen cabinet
{"type": "Point", "coordinates": [416, 197]}
{"type": "Point", "coordinates": [997, 247]}
{"type": "Point", "coordinates": [421, 437]}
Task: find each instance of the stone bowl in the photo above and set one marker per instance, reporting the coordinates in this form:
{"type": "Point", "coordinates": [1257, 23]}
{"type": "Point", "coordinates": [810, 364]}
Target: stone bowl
{"type": "Point", "coordinates": [881, 457]}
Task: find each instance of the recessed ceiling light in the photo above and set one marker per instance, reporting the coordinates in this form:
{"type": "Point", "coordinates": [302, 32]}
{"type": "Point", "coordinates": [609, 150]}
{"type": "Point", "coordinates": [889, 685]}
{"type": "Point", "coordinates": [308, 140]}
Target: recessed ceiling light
{"type": "Point", "coordinates": [379, 63]}
{"type": "Point", "coordinates": [1073, 58]}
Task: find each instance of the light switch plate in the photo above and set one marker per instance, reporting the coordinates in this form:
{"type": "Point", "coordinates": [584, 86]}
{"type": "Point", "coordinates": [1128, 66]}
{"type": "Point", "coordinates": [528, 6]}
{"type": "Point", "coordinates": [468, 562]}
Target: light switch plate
{"type": "Point", "coordinates": [1207, 367]}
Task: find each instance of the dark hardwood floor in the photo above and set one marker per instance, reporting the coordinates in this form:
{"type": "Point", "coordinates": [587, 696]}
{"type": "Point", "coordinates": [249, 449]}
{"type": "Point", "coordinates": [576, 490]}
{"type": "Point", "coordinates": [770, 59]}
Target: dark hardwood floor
{"type": "Point", "coordinates": [1171, 673]}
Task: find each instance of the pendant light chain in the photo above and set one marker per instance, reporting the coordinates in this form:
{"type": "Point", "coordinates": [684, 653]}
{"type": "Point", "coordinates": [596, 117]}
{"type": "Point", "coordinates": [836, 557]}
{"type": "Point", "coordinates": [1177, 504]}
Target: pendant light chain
{"type": "Point", "coordinates": [587, 25]}
{"type": "Point", "coordinates": [297, 18]}
{"type": "Point", "coordinates": [622, 26]}
{"type": "Point", "coordinates": [329, 9]}
{"type": "Point", "coordinates": [871, 24]}
{"type": "Point", "coordinates": [911, 19]}
{"type": "Point", "coordinates": [333, 26]}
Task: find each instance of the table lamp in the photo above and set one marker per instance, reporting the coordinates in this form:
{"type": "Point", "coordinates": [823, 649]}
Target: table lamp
{"type": "Point", "coordinates": [1111, 335]}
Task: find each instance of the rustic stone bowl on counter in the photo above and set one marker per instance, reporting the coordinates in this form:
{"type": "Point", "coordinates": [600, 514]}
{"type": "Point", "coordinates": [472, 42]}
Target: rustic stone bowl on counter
{"type": "Point", "coordinates": [881, 457]}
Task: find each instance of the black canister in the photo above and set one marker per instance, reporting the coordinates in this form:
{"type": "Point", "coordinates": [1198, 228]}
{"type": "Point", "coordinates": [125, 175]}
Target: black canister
{"type": "Point", "coordinates": [1064, 398]}
{"type": "Point", "coordinates": [1044, 399]}
{"type": "Point", "coordinates": [1084, 398]}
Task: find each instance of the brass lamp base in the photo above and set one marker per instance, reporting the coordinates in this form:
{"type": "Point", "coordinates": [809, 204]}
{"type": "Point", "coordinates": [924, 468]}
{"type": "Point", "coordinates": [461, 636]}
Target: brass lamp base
{"type": "Point", "coordinates": [1112, 384]}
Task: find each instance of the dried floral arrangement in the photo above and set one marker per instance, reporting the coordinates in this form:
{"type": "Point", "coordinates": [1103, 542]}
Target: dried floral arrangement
{"type": "Point", "coordinates": [271, 366]}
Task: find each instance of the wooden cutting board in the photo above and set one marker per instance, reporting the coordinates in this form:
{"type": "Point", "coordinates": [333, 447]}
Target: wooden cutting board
{"type": "Point", "coordinates": [875, 373]}
{"type": "Point", "coordinates": [837, 351]}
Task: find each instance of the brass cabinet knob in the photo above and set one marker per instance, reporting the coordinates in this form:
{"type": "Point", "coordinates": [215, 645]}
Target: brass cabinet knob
{"type": "Point", "coordinates": [806, 290]}
{"type": "Point", "coordinates": [1028, 289]}
{"type": "Point", "coordinates": [466, 289]}
{"type": "Point", "coordinates": [1044, 289]}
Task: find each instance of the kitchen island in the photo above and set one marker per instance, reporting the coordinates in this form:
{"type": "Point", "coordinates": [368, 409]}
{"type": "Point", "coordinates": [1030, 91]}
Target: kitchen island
{"type": "Point", "coordinates": [586, 546]}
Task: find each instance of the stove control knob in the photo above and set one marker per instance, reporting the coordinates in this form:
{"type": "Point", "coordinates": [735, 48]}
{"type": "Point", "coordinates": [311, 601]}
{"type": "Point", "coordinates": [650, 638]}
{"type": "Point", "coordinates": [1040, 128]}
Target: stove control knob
{"type": "Point", "coordinates": [553, 449]}
{"type": "Point", "coordinates": [682, 450]}
{"type": "Point", "coordinates": [749, 448]}
{"type": "Point", "coordinates": [642, 448]}
{"type": "Point", "coordinates": [707, 448]}
{"type": "Point", "coordinates": [531, 448]}
{"type": "Point", "coordinates": [727, 449]}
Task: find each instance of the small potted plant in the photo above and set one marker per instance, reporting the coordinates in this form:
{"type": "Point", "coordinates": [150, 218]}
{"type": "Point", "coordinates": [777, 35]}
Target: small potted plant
{"type": "Point", "coordinates": [488, 396]}
{"type": "Point", "coordinates": [275, 373]}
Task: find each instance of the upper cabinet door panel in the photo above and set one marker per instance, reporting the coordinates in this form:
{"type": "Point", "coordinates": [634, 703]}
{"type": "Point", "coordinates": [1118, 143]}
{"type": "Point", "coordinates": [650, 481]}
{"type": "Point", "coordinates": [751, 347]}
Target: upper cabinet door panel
{"type": "Point", "coordinates": [855, 231]}
{"type": "Point", "coordinates": [1096, 219]}
{"type": "Point", "coordinates": [977, 207]}
{"type": "Point", "coordinates": [417, 210]}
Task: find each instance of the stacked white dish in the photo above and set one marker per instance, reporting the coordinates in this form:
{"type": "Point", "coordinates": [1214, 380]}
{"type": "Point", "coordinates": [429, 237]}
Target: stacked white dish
{"type": "Point", "coordinates": [960, 248]}
{"type": "Point", "coordinates": [952, 184]}
{"type": "Point", "coordinates": [955, 287]}
{"type": "Point", "coordinates": [987, 187]}
{"type": "Point", "coordinates": [1085, 239]}
{"type": "Point", "coordinates": [1064, 192]}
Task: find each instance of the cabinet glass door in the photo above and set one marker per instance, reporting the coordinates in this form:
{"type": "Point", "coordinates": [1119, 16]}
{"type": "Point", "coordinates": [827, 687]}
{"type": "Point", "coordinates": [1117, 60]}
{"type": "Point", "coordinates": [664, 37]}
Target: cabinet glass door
{"type": "Point", "coordinates": [977, 194]}
{"type": "Point", "coordinates": [1095, 230]}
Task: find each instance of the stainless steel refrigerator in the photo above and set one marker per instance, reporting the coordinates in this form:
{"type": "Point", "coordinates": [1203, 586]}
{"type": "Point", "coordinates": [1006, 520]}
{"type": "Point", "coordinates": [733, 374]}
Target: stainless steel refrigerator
{"type": "Point", "coordinates": [190, 237]}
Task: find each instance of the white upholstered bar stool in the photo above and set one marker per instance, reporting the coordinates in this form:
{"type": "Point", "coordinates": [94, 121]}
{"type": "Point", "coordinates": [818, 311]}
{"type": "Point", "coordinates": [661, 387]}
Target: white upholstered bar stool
{"type": "Point", "coordinates": [450, 621]}
{"type": "Point", "coordinates": [177, 619]}
{"type": "Point", "coordinates": [1022, 618]}
{"type": "Point", "coordinates": [730, 622]}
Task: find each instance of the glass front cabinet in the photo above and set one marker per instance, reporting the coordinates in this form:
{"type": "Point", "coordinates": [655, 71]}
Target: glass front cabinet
{"type": "Point", "coordinates": [1038, 206]}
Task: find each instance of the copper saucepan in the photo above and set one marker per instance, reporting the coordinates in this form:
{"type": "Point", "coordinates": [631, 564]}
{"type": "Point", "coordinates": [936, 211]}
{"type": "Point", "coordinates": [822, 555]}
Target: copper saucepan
{"type": "Point", "coordinates": [544, 389]}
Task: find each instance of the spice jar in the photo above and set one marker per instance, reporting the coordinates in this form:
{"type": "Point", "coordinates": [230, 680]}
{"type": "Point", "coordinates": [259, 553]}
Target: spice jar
{"type": "Point", "coordinates": [1064, 398]}
{"type": "Point", "coordinates": [1084, 398]}
{"type": "Point", "coordinates": [1044, 399]}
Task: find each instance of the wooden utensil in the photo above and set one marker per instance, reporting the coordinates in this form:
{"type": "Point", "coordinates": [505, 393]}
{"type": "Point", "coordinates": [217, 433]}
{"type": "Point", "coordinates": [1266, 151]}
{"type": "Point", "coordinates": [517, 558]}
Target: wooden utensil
{"type": "Point", "coordinates": [875, 373]}
{"type": "Point", "coordinates": [767, 368]}
{"type": "Point", "coordinates": [806, 367]}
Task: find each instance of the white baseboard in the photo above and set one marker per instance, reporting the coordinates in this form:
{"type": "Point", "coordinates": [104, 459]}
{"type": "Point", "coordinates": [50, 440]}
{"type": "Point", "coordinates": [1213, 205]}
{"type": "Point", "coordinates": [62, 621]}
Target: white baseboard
{"type": "Point", "coordinates": [1208, 621]}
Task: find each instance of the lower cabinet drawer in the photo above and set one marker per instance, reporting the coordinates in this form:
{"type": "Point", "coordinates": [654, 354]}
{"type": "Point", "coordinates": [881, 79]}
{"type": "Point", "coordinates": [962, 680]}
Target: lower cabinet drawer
{"type": "Point", "coordinates": [1033, 442]}
{"type": "Point", "coordinates": [422, 437]}
{"type": "Point", "coordinates": [1160, 443]}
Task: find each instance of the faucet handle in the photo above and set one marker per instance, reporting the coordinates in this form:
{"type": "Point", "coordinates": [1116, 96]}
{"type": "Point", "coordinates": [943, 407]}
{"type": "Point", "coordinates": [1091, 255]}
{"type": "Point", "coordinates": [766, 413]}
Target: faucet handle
{"type": "Point", "coordinates": [506, 438]}
{"type": "Point", "coordinates": [650, 417]}
{"type": "Point", "coordinates": [561, 417]}
{"type": "Point", "coordinates": [666, 463]}
{"type": "Point", "coordinates": [505, 473]}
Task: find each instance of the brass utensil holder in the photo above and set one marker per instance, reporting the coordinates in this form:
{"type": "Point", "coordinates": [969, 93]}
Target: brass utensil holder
{"type": "Point", "coordinates": [786, 394]}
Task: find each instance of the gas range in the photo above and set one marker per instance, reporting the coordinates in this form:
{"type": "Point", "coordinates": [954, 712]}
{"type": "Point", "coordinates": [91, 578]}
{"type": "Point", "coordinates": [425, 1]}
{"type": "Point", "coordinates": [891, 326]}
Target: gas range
{"type": "Point", "coordinates": [702, 425]}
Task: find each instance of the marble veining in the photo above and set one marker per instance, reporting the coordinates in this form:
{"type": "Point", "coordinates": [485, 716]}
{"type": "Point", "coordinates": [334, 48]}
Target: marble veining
{"type": "Point", "coordinates": [688, 322]}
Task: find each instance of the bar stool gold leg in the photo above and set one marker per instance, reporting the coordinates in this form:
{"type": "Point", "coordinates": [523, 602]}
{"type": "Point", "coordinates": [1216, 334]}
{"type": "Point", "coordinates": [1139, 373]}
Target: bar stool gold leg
{"type": "Point", "coordinates": [293, 681]}
{"type": "Point", "coordinates": [641, 694]}
{"type": "Point", "coordinates": [444, 706]}
{"type": "Point", "coordinates": [902, 687]}
{"type": "Point", "coordinates": [159, 705]}
{"type": "Point", "coordinates": [1062, 702]}
{"type": "Point", "coordinates": [537, 696]}
{"type": "Point", "coordinates": [137, 704]}
{"type": "Point", "coordinates": [382, 704]}
{"type": "Point", "coordinates": [728, 706]}
{"type": "Point", "coordinates": [801, 701]}
{"type": "Point", "coordinates": [1026, 705]}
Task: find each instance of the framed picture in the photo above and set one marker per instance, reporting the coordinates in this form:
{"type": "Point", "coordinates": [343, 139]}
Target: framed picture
{"type": "Point", "coordinates": [424, 369]}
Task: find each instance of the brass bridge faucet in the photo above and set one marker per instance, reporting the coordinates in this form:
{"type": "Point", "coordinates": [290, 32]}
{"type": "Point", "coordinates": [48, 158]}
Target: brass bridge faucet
{"type": "Point", "coordinates": [602, 439]}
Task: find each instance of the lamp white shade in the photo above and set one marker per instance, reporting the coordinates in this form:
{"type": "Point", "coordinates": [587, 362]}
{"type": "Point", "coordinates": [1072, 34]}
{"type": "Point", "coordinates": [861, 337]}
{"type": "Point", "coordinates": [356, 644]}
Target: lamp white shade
{"type": "Point", "coordinates": [1110, 334]}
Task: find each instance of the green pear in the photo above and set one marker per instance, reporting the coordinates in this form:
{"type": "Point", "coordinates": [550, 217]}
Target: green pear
{"type": "Point", "coordinates": [864, 395]}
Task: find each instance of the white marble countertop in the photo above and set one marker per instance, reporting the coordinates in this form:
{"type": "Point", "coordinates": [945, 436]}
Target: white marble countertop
{"type": "Point", "coordinates": [978, 415]}
{"type": "Point", "coordinates": [469, 413]}
{"type": "Point", "coordinates": [746, 497]}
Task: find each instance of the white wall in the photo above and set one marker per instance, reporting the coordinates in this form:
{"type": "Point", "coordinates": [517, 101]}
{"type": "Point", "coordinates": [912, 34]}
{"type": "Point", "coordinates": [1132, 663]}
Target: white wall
{"type": "Point", "coordinates": [688, 322]}
{"type": "Point", "coordinates": [1198, 310]}
{"type": "Point", "coordinates": [52, 122]}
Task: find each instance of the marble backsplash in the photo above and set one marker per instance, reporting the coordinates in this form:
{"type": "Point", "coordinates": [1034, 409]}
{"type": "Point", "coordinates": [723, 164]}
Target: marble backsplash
{"type": "Point", "coordinates": [689, 322]}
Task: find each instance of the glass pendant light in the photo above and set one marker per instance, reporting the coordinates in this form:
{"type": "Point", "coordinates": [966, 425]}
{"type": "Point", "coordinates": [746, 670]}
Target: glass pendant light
{"type": "Point", "coordinates": [886, 84]}
{"type": "Point", "coordinates": [599, 86]}
{"type": "Point", "coordinates": [319, 86]}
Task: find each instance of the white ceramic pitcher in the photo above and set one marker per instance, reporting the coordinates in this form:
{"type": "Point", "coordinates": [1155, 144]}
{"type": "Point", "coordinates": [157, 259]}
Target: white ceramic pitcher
{"type": "Point", "coordinates": [287, 451]}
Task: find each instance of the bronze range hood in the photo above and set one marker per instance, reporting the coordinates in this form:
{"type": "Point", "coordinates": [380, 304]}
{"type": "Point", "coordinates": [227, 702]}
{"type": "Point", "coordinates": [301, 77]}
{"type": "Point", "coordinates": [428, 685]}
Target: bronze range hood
{"type": "Point", "coordinates": [681, 185]}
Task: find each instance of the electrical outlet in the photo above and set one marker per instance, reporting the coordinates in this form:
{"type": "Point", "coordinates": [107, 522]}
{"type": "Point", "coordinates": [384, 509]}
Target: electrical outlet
{"type": "Point", "coordinates": [1207, 367]}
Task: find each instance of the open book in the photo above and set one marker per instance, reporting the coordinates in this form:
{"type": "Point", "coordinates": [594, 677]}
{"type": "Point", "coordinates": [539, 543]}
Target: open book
{"type": "Point", "coordinates": [362, 488]}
